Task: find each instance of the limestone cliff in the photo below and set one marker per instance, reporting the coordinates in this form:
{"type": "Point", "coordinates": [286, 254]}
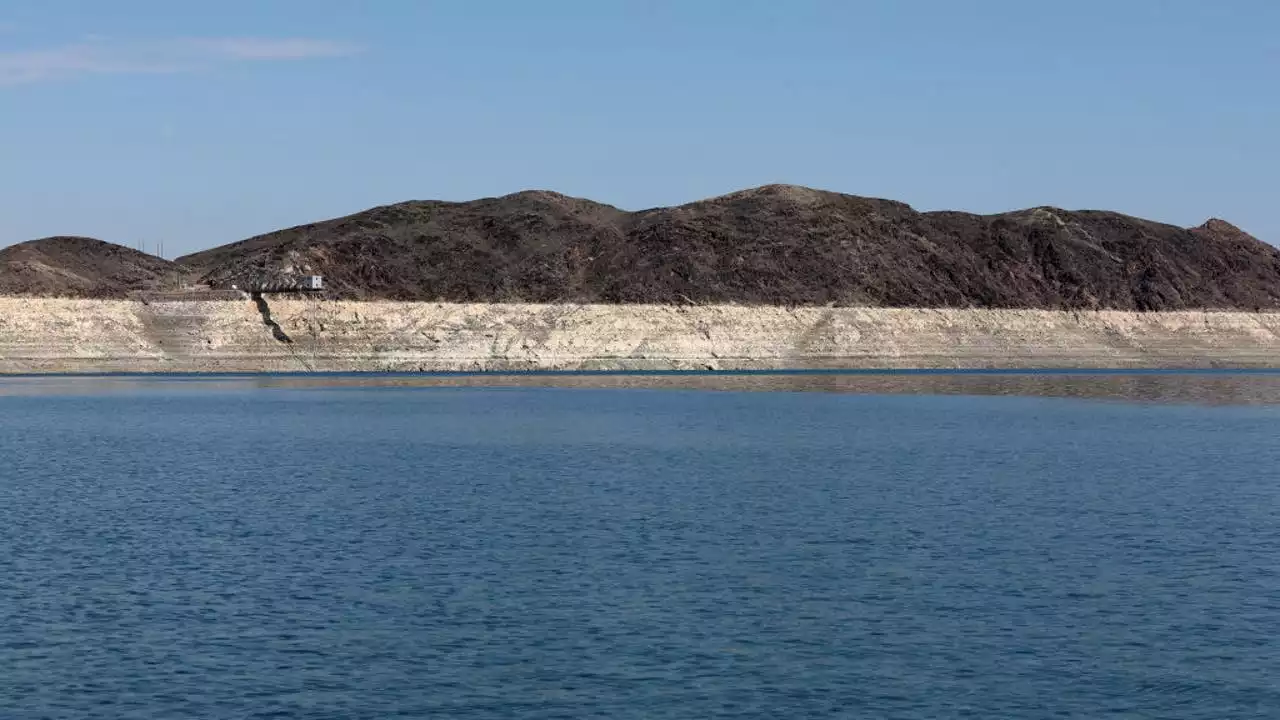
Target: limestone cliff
{"type": "Point", "coordinates": [53, 335]}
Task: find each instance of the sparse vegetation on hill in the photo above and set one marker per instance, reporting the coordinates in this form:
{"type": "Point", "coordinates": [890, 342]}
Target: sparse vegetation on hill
{"type": "Point", "coordinates": [777, 245]}
{"type": "Point", "coordinates": [80, 267]}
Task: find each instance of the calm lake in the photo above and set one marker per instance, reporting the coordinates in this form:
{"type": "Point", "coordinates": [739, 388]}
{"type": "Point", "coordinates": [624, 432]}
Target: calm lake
{"type": "Point", "coordinates": [693, 546]}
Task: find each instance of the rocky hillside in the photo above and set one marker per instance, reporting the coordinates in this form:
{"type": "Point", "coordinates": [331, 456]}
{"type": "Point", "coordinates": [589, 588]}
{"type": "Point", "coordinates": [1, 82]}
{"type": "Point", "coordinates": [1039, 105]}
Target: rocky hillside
{"type": "Point", "coordinates": [775, 245]}
{"type": "Point", "coordinates": [80, 267]}
{"type": "Point", "coordinates": [780, 245]}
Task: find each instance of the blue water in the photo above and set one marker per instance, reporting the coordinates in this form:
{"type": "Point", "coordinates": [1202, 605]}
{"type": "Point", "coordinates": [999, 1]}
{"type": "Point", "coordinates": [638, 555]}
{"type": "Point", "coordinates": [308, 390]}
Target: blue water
{"type": "Point", "coordinates": [233, 549]}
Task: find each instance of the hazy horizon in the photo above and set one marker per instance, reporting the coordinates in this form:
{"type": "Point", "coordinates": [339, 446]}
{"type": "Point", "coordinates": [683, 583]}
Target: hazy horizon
{"type": "Point", "coordinates": [143, 123]}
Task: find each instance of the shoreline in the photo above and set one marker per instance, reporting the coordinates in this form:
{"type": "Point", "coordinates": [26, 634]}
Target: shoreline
{"type": "Point", "coordinates": [41, 336]}
{"type": "Point", "coordinates": [1045, 372]}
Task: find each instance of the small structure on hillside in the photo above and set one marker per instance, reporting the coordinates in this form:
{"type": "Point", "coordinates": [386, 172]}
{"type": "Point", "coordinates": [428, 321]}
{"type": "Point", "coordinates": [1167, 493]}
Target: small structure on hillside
{"type": "Point", "coordinates": [277, 283]}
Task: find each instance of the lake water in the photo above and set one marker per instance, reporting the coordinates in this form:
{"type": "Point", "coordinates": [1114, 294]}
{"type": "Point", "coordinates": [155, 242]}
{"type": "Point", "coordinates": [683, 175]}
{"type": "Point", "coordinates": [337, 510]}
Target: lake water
{"type": "Point", "coordinates": [1026, 546]}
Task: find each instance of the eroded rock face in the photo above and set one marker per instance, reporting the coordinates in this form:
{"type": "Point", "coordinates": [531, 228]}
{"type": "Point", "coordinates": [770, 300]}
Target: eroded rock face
{"type": "Point", "coordinates": [774, 245]}
{"type": "Point", "coordinates": [233, 336]}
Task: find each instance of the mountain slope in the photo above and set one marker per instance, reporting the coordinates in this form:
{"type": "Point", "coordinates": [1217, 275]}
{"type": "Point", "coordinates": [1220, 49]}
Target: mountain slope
{"type": "Point", "coordinates": [79, 267]}
{"type": "Point", "coordinates": [777, 244]}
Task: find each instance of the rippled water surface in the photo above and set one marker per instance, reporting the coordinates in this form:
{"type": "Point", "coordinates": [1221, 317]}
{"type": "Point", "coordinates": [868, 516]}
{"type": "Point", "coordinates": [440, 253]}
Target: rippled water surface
{"type": "Point", "coordinates": [892, 547]}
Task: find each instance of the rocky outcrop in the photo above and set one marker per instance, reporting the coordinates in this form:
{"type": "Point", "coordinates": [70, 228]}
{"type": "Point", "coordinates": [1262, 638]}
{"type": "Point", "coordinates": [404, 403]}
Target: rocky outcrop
{"type": "Point", "coordinates": [775, 245]}
{"type": "Point", "coordinates": [51, 335]}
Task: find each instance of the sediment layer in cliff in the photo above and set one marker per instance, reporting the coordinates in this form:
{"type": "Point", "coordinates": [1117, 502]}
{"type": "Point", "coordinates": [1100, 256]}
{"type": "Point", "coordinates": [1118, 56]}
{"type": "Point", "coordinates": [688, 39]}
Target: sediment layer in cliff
{"type": "Point", "coordinates": [49, 335]}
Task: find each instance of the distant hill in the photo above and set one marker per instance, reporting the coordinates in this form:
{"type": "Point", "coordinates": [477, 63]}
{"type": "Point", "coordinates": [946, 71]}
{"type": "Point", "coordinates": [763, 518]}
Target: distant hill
{"type": "Point", "coordinates": [778, 244]}
{"type": "Point", "coordinates": [79, 267]}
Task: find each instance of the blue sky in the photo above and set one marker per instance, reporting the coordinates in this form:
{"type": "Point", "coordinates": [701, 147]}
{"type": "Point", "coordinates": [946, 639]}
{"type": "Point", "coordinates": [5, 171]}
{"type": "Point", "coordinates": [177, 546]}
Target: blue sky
{"type": "Point", "coordinates": [199, 123]}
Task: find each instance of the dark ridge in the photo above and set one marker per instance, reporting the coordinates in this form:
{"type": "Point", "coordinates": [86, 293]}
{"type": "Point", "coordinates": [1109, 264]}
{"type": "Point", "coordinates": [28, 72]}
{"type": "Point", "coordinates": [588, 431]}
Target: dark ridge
{"type": "Point", "coordinates": [81, 267]}
{"type": "Point", "coordinates": [777, 245]}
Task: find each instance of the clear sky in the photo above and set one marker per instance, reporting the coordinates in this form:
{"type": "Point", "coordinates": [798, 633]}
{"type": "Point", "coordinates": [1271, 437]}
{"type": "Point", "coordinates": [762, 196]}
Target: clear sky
{"type": "Point", "coordinates": [202, 122]}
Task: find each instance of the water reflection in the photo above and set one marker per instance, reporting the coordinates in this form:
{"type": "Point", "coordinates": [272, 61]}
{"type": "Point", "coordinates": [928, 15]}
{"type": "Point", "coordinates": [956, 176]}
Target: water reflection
{"type": "Point", "coordinates": [1218, 388]}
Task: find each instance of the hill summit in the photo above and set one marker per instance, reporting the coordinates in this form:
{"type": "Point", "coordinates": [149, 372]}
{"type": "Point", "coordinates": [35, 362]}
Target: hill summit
{"type": "Point", "coordinates": [79, 267]}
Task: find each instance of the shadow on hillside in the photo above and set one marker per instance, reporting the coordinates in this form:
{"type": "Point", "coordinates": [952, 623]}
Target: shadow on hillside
{"type": "Point", "coordinates": [265, 311]}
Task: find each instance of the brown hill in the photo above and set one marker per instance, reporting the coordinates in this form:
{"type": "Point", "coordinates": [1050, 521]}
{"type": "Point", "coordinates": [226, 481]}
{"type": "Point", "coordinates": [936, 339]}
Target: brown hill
{"type": "Point", "coordinates": [776, 244]}
{"type": "Point", "coordinates": [79, 267]}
